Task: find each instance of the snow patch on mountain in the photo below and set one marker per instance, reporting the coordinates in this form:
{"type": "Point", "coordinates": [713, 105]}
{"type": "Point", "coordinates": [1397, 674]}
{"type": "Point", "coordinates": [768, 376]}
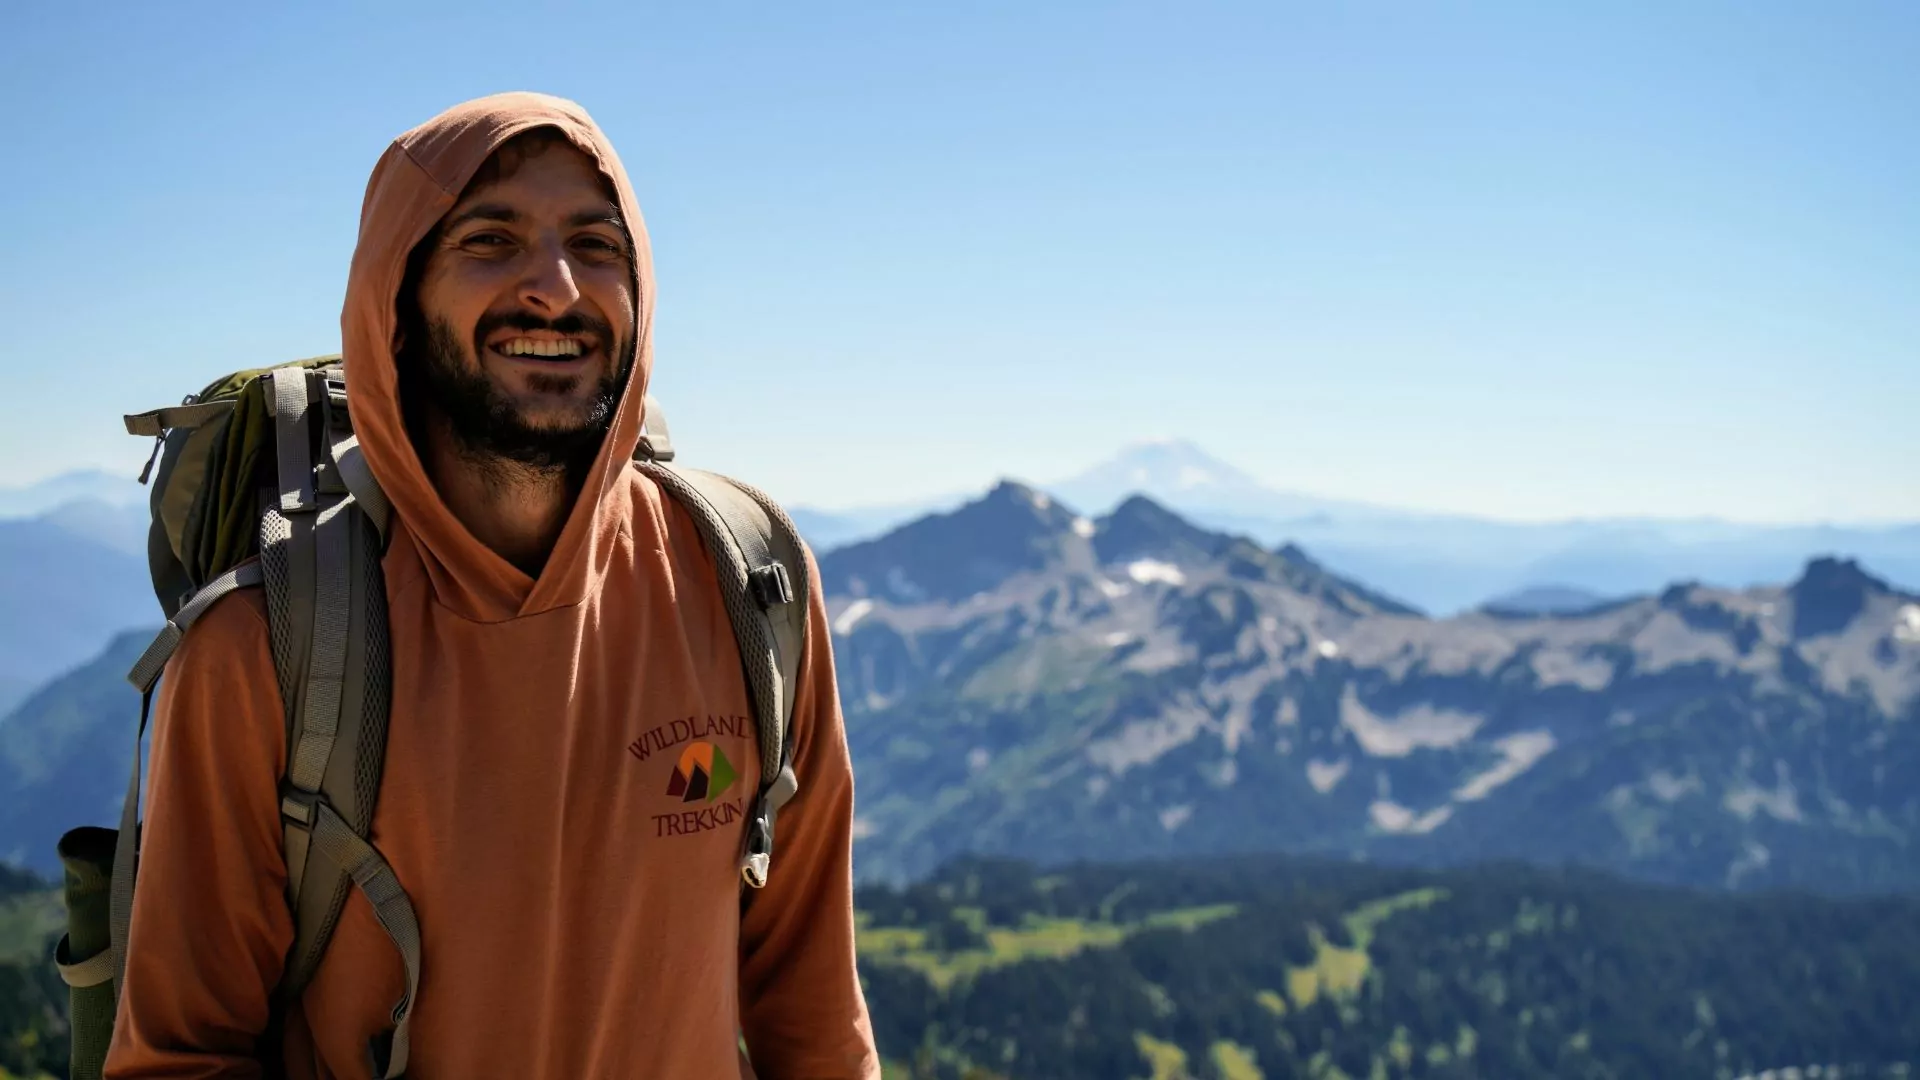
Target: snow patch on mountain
{"type": "Point", "coordinates": [900, 585]}
{"type": "Point", "coordinates": [1418, 728]}
{"type": "Point", "coordinates": [1192, 476]}
{"type": "Point", "coordinates": [1326, 775]}
{"type": "Point", "coordinates": [1143, 741]}
{"type": "Point", "coordinates": [1519, 753]}
{"type": "Point", "coordinates": [1907, 626]}
{"type": "Point", "coordinates": [1753, 859]}
{"type": "Point", "coordinates": [1669, 788]}
{"type": "Point", "coordinates": [1781, 802]}
{"type": "Point", "coordinates": [851, 617]}
{"type": "Point", "coordinates": [1558, 667]}
{"type": "Point", "coordinates": [1390, 816]}
{"type": "Point", "coordinates": [1148, 571]}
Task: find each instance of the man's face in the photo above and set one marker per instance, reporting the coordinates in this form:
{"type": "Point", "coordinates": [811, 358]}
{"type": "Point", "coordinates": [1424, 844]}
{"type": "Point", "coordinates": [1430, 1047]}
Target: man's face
{"type": "Point", "coordinates": [527, 298]}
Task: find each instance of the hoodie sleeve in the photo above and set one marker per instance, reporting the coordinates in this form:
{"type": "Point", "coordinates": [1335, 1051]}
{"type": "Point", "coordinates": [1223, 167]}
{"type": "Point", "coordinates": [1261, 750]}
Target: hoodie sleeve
{"type": "Point", "coordinates": [211, 921]}
{"type": "Point", "coordinates": [802, 1008]}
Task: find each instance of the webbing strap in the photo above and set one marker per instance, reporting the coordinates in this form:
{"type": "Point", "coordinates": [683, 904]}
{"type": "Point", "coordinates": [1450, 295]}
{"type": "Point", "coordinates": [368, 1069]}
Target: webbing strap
{"type": "Point", "coordinates": [319, 724]}
{"type": "Point", "coordinates": [125, 851]}
{"type": "Point", "coordinates": [92, 971]}
{"type": "Point", "coordinates": [155, 422]}
{"type": "Point", "coordinates": [656, 442]}
{"type": "Point", "coordinates": [336, 842]}
{"type": "Point", "coordinates": [292, 442]}
{"type": "Point", "coordinates": [355, 473]}
{"type": "Point", "coordinates": [146, 671]}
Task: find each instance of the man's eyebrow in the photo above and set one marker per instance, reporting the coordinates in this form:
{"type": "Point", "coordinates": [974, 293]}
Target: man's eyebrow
{"type": "Point", "coordinates": [484, 212]}
{"type": "Point", "coordinates": [602, 215]}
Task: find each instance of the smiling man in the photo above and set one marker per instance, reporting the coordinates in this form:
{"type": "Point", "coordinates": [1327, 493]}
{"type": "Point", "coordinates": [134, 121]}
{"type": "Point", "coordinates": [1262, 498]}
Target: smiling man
{"type": "Point", "coordinates": [570, 745]}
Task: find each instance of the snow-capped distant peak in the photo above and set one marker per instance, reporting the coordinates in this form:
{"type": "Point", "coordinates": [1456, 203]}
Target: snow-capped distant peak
{"type": "Point", "coordinates": [1192, 476]}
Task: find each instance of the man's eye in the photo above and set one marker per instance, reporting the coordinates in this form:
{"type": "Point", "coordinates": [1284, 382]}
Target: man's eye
{"type": "Point", "coordinates": [599, 244]}
{"type": "Point", "coordinates": [487, 240]}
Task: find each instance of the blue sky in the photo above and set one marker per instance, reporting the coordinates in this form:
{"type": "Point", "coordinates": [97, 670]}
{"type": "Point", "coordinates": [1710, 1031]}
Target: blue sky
{"type": "Point", "coordinates": [1524, 260]}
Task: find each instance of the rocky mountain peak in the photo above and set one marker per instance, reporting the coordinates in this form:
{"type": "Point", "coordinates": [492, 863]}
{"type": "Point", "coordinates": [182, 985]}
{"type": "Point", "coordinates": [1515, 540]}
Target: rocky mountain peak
{"type": "Point", "coordinates": [1141, 528]}
{"type": "Point", "coordinates": [949, 557]}
{"type": "Point", "coordinates": [1830, 594]}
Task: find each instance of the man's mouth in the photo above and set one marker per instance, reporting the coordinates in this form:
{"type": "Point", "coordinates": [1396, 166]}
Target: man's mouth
{"type": "Point", "coordinates": [530, 348]}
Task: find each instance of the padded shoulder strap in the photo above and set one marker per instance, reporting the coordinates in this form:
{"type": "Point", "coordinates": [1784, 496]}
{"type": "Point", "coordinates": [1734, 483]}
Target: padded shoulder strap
{"type": "Point", "coordinates": [765, 584]}
{"type": "Point", "coordinates": [326, 605]}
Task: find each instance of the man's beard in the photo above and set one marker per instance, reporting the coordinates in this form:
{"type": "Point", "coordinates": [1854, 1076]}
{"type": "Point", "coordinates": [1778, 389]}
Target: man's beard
{"type": "Point", "coordinates": [487, 428]}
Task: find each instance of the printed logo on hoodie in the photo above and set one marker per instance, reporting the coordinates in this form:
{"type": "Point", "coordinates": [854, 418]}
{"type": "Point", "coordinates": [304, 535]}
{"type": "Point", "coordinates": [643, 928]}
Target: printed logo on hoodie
{"type": "Point", "coordinates": [702, 774]}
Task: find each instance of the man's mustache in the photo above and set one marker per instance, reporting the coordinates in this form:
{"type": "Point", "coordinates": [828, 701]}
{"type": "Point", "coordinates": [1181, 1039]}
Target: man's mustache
{"type": "Point", "coordinates": [573, 324]}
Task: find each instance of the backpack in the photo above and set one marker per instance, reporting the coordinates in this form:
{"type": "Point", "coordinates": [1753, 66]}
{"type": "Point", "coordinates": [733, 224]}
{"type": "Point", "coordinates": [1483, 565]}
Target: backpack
{"type": "Point", "coordinates": [262, 484]}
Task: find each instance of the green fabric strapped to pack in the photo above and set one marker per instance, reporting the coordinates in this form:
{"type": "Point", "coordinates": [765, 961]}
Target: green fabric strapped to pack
{"type": "Point", "coordinates": [261, 483]}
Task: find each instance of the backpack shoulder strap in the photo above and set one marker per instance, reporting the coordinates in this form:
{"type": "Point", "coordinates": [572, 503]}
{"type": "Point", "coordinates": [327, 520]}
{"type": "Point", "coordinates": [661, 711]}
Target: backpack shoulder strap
{"type": "Point", "coordinates": [320, 547]}
{"type": "Point", "coordinates": [765, 583]}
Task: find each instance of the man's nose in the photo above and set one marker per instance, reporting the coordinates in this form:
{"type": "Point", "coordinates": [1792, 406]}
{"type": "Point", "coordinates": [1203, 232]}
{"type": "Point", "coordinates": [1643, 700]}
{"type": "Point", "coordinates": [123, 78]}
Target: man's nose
{"type": "Point", "coordinates": [549, 282]}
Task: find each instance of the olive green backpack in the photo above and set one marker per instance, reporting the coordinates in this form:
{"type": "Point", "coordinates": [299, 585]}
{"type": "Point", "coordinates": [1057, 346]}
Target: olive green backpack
{"type": "Point", "coordinates": [262, 484]}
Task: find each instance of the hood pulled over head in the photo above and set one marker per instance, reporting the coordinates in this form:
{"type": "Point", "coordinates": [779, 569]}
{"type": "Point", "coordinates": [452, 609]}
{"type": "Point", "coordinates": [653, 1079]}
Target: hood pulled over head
{"type": "Point", "coordinates": [417, 181]}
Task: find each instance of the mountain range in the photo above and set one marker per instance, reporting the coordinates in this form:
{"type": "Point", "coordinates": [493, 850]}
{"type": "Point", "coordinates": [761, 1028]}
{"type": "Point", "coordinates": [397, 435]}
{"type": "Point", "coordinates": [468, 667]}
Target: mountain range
{"type": "Point", "coordinates": [1025, 681]}
{"type": "Point", "coordinates": [1443, 563]}
{"type": "Point", "coordinates": [62, 596]}
{"type": "Point", "coordinates": [1020, 679]}
{"type": "Point", "coordinates": [79, 485]}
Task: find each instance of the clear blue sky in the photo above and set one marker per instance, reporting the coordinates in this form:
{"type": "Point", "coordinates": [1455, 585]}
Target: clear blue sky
{"type": "Point", "coordinates": [1513, 259]}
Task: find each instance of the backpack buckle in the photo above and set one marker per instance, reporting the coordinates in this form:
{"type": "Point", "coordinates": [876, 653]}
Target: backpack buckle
{"type": "Point", "coordinates": [300, 807]}
{"type": "Point", "coordinates": [755, 862]}
{"type": "Point", "coordinates": [771, 585]}
{"type": "Point", "coordinates": [338, 417]}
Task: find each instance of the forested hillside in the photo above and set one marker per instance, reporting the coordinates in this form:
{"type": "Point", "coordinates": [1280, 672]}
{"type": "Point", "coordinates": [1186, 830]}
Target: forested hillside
{"type": "Point", "coordinates": [33, 1001]}
{"type": "Point", "coordinates": [1261, 966]}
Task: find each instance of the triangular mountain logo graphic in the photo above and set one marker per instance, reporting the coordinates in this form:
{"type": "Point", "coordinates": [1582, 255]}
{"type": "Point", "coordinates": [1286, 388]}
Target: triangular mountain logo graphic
{"type": "Point", "coordinates": [704, 774]}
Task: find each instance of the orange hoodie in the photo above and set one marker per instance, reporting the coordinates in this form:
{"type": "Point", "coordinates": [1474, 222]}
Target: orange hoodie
{"type": "Point", "coordinates": [576, 921]}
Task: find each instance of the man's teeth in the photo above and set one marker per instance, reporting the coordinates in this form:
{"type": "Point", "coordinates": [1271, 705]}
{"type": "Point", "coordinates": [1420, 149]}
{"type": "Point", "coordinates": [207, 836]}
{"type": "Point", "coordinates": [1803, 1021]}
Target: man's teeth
{"type": "Point", "coordinates": [530, 347]}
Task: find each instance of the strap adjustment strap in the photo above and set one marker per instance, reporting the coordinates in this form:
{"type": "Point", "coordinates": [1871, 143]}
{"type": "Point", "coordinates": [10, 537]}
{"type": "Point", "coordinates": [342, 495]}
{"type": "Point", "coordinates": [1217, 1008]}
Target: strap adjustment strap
{"type": "Point", "coordinates": [758, 858]}
{"type": "Point", "coordinates": [190, 413]}
{"type": "Point", "coordinates": [337, 414]}
{"type": "Point", "coordinates": [93, 971]}
{"type": "Point", "coordinates": [293, 445]}
{"type": "Point", "coordinates": [153, 661]}
{"type": "Point", "coordinates": [300, 808]}
{"type": "Point", "coordinates": [656, 442]}
{"type": "Point", "coordinates": [771, 585]}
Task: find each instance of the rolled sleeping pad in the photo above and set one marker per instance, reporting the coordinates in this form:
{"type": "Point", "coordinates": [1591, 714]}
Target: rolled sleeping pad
{"type": "Point", "coordinates": [86, 854]}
